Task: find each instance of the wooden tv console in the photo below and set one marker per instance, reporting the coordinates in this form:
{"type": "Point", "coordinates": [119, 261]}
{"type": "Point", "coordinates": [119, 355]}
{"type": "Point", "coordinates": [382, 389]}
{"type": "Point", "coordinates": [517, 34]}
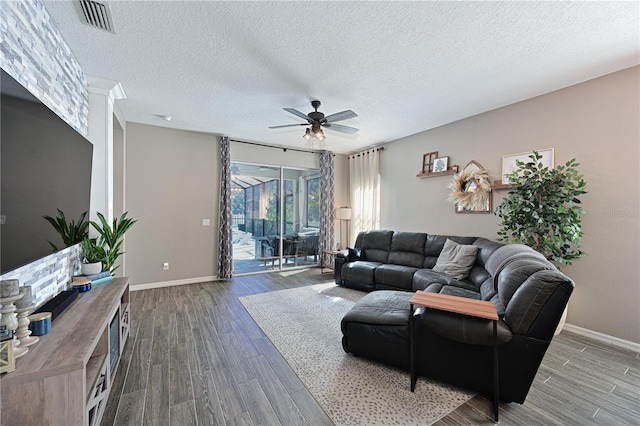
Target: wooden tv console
{"type": "Point", "coordinates": [65, 378]}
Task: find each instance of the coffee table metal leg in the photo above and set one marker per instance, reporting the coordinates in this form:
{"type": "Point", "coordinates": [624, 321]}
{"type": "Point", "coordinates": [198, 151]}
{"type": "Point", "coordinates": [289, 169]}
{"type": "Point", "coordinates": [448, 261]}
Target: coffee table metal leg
{"type": "Point", "coordinates": [412, 349]}
{"type": "Point", "coordinates": [496, 392]}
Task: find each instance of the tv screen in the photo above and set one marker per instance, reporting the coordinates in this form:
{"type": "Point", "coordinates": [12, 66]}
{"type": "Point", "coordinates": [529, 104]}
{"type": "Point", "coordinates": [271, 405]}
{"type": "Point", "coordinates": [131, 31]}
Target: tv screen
{"type": "Point", "coordinates": [45, 165]}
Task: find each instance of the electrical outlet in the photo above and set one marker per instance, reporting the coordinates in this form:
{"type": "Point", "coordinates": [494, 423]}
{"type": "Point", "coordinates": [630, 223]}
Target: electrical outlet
{"type": "Point", "coordinates": [165, 266]}
{"type": "Point", "coordinates": [206, 222]}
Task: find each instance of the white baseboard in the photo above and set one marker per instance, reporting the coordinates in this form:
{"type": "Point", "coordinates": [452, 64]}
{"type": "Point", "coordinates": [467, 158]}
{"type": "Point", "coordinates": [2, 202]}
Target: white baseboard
{"type": "Point", "coordinates": [603, 338]}
{"type": "Point", "coordinates": [147, 286]}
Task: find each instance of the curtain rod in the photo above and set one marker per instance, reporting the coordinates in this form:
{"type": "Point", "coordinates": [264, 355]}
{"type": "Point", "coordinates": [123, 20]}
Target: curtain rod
{"type": "Point", "coordinates": [365, 152]}
{"type": "Point", "coordinates": [284, 148]}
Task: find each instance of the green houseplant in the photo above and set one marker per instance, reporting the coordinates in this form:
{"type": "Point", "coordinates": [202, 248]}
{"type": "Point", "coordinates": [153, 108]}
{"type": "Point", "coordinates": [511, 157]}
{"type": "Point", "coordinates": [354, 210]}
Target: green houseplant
{"type": "Point", "coordinates": [92, 255]}
{"type": "Point", "coordinates": [71, 232]}
{"type": "Point", "coordinates": [543, 210]}
{"type": "Point", "coordinates": [111, 237]}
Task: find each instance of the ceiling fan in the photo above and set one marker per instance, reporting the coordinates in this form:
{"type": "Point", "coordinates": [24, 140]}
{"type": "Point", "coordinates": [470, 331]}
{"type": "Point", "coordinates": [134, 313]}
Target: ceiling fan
{"type": "Point", "coordinates": [317, 120]}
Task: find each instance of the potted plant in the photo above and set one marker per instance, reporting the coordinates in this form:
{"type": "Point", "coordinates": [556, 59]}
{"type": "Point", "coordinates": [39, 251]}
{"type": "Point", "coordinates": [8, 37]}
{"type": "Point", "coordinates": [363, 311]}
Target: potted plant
{"type": "Point", "coordinates": [543, 210]}
{"type": "Point", "coordinates": [71, 232]}
{"type": "Point", "coordinates": [92, 256]}
{"type": "Point", "coordinates": [111, 237]}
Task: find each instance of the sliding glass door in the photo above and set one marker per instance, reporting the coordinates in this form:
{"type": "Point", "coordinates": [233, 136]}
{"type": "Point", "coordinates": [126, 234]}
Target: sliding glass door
{"type": "Point", "coordinates": [276, 217]}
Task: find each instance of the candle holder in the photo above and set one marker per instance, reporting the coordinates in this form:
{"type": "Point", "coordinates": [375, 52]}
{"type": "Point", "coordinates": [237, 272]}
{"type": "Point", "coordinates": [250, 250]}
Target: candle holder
{"type": "Point", "coordinates": [10, 321]}
{"type": "Point", "coordinates": [22, 332]}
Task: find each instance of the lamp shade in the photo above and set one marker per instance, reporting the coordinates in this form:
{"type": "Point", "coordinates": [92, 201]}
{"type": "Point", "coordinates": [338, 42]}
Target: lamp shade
{"type": "Point", "coordinates": [343, 213]}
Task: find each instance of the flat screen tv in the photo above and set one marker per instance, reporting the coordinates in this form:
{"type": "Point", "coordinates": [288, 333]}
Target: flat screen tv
{"type": "Point", "coordinates": [45, 165]}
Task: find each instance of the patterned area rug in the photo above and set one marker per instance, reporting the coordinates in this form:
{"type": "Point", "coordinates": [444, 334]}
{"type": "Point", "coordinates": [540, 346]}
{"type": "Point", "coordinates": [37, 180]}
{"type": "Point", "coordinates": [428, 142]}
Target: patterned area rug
{"type": "Point", "coordinates": [304, 325]}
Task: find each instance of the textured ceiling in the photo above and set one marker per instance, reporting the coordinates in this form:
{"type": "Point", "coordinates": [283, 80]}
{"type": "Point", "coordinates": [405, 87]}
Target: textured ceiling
{"type": "Point", "coordinates": [403, 67]}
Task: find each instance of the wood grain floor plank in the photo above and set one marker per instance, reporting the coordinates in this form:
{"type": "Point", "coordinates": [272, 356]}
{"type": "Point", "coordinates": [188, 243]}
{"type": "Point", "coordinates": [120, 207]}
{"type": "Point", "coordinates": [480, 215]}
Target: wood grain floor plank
{"type": "Point", "coordinates": [283, 371]}
{"type": "Point", "coordinates": [229, 395]}
{"type": "Point", "coordinates": [312, 412]}
{"type": "Point", "coordinates": [181, 389]}
{"type": "Point", "coordinates": [183, 414]}
{"type": "Point", "coordinates": [280, 400]}
{"type": "Point", "coordinates": [131, 409]}
{"type": "Point", "coordinates": [259, 407]}
{"type": "Point", "coordinates": [139, 366]}
{"type": "Point", "coordinates": [242, 419]}
{"type": "Point", "coordinates": [156, 409]}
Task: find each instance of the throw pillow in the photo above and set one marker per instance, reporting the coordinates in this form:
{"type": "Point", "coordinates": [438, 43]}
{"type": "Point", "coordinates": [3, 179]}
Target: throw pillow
{"type": "Point", "coordinates": [355, 254]}
{"type": "Point", "coordinates": [456, 260]}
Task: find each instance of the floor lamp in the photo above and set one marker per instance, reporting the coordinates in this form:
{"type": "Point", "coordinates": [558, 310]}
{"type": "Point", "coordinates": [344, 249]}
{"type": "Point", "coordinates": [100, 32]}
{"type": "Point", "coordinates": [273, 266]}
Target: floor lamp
{"type": "Point", "coordinates": [344, 213]}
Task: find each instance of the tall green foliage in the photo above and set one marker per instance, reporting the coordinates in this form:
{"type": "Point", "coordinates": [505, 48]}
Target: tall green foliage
{"type": "Point", "coordinates": [542, 209]}
{"type": "Point", "coordinates": [71, 232]}
{"type": "Point", "coordinates": [111, 237]}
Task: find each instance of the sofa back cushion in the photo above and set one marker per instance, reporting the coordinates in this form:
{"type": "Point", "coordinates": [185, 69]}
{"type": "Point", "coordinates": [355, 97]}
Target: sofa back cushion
{"type": "Point", "coordinates": [407, 248]}
{"type": "Point", "coordinates": [435, 243]}
{"type": "Point", "coordinates": [376, 244]}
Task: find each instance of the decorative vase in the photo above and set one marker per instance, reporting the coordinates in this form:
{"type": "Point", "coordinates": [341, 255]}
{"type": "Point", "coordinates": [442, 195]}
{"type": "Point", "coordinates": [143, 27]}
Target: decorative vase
{"type": "Point", "coordinates": [91, 268]}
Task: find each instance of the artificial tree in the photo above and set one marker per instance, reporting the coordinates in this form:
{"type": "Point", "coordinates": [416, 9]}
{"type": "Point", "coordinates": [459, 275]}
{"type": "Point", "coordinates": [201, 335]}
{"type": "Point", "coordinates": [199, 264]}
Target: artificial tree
{"type": "Point", "coordinates": [543, 210]}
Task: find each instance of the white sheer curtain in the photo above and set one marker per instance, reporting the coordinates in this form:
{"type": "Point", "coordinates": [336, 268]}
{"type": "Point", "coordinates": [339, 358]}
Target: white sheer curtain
{"type": "Point", "coordinates": [364, 177]}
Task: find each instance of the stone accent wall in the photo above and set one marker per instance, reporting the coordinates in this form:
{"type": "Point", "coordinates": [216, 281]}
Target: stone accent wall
{"type": "Point", "coordinates": [50, 275]}
{"type": "Point", "coordinates": [34, 53]}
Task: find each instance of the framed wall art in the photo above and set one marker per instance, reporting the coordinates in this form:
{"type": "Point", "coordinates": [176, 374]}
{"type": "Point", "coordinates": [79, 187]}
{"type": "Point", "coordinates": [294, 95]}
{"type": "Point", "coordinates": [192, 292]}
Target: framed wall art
{"type": "Point", "coordinates": [509, 161]}
{"type": "Point", "coordinates": [440, 164]}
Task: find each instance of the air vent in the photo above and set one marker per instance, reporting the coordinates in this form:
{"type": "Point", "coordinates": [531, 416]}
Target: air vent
{"type": "Point", "coordinates": [97, 15]}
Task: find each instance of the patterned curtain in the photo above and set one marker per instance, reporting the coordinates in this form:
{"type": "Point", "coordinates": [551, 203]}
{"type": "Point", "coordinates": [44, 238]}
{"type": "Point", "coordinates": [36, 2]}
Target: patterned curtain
{"type": "Point", "coordinates": [225, 246]}
{"type": "Point", "coordinates": [364, 178]}
{"type": "Point", "coordinates": [327, 218]}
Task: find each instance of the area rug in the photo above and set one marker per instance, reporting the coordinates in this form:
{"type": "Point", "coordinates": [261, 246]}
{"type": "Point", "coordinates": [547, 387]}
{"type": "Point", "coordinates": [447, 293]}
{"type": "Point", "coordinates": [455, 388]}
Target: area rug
{"type": "Point", "coordinates": [304, 325]}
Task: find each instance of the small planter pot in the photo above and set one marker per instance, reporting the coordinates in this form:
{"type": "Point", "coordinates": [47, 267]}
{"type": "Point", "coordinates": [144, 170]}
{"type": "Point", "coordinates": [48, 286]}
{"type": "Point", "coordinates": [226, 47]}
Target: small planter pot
{"type": "Point", "coordinates": [91, 268]}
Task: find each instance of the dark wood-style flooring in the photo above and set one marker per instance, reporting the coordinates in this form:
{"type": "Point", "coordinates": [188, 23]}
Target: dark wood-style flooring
{"type": "Point", "coordinates": [195, 356]}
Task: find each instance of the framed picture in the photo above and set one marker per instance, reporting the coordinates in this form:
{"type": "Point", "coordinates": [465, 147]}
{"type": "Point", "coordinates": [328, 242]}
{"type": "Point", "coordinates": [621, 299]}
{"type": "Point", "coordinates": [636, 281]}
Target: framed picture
{"type": "Point", "coordinates": [440, 164]}
{"type": "Point", "coordinates": [509, 161]}
{"type": "Point", "coordinates": [427, 161]}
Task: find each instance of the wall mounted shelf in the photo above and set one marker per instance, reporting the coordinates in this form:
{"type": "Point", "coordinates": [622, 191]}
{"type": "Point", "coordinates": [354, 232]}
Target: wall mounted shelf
{"type": "Point", "coordinates": [451, 170]}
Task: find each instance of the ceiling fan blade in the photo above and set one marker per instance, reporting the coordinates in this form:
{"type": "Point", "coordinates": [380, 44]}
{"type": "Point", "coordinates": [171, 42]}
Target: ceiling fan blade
{"type": "Point", "coordinates": [296, 112]}
{"type": "Point", "coordinates": [341, 128]}
{"type": "Point", "coordinates": [339, 116]}
{"type": "Point", "coordinates": [289, 125]}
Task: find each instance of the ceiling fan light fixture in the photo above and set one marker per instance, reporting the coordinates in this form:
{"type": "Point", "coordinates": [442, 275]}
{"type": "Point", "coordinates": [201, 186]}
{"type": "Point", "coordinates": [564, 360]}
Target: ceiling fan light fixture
{"type": "Point", "coordinates": [307, 134]}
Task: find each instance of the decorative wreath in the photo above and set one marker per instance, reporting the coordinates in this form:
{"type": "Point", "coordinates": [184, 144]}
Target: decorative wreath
{"type": "Point", "coordinates": [460, 194]}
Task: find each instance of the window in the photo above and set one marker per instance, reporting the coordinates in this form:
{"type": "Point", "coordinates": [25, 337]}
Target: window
{"type": "Point", "coordinates": [313, 202]}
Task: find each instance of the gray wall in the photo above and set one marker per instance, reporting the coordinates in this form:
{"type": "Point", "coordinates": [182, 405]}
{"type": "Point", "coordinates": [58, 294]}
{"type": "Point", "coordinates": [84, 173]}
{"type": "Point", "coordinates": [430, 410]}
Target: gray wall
{"type": "Point", "coordinates": [597, 122]}
{"type": "Point", "coordinates": [171, 185]}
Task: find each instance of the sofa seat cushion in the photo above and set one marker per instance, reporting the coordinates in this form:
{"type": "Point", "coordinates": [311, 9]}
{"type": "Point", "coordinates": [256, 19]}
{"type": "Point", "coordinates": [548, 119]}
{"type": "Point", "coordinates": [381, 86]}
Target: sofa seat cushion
{"type": "Point", "coordinates": [385, 307]}
{"type": "Point", "coordinates": [423, 278]}
{"type": "Point", "coordinates": [394, 276]}
{"type": "Point", "coordinates": [360, 271]}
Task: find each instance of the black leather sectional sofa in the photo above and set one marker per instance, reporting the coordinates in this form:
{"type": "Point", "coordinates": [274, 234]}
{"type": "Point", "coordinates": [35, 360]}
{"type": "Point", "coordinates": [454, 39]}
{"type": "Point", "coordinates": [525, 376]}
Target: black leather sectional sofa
{"type": "Point", "coordinates": [529, 293]}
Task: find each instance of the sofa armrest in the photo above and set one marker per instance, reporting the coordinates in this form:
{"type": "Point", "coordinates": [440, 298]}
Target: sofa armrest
{"type": "Point", "coordinates": [338, 261]}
